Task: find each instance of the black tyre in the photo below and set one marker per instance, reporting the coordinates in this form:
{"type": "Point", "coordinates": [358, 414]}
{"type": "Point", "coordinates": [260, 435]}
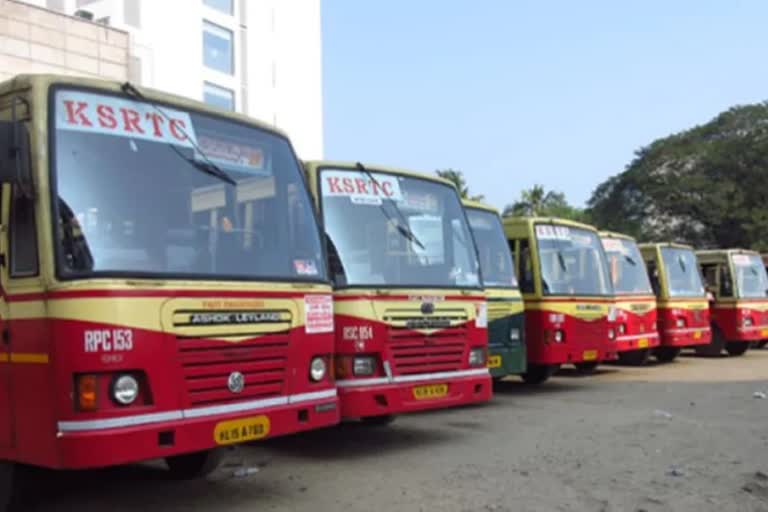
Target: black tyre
{"type": "Point", "coordinates": [378, 421]}
{"type": "Point", "coordinates": [193, 465]}
{"type": "Point", "coordinates": [762, 343]}
{"type": "Point", "coordinates": [6, 485]}
{"type": "Point", "coordinates": [666, 354]}
{"type": "Point", "coordinates": [635, 357]}
{"type": "Point", "coordinates": [736, 348]}
{"type": "Point", "coordinates": [715, 347]}
{"type": "Point", "coordinates": [538, 373]}
{"type": "Point", "coordinates": [587, 368]}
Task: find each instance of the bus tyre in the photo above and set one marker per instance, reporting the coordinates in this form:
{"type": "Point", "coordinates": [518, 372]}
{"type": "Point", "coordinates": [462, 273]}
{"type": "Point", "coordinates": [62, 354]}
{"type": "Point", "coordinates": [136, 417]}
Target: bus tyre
{"type": "Point", "coordinates": [538, 373]}
{"type": "Point", "coordinates": [378, 421]}
{"type": "Point", "coordinates": [715, 347]}
{"type": "Point", "coordinates": [6, 485]}
{"type": "Point", "coordinates": [667, 354]}
{"type": "Point", "coordinates": [586, 368]}
{"type": "Point", "coordinates": [194, 465]}
{"type": "Point", "coordinates": [635, 357]}
{"type": "Point", "coordinates": [762, 343]}
{"type": "Point", "coordinates": [736, 348]}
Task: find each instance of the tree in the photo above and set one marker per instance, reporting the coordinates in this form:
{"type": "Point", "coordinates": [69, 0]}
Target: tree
{"type": "Point", "coordinates": [536, 201]}
{"type": "Point", "coordinates": [706, 186]}
{"type": "Point", "coordinates": [457, 178]}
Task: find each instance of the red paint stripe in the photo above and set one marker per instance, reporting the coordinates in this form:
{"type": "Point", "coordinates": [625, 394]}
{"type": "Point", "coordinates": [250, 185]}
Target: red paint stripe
{"type": "Point", "coordinates": [342, 298]}
{"type": "Point", "coordinates": [80, 294]}
{"type": "Point", "coordinates": [607, 300]}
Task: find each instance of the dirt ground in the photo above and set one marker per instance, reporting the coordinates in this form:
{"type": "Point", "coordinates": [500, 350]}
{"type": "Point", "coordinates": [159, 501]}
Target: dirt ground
{"type": "Point", "coordinates": [686, 436]}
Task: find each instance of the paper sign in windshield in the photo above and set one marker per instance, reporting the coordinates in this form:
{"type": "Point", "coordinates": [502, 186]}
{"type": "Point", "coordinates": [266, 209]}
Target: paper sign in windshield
{"type": "Point", "coordinates": [305, 267]}
{"type": "Point", "coordinates": [614, 245]}
{"type": "Point", "coordinates": [550, 232]}
{"type": "Point", "coordinates": [318, 313]}
{"type": "Point", "coordinates": [360, 187]}
{"type": "Point", "coordinates": [111, 115]}
{"type": "Point", "coordinates": [741, 259]}
{"type": "Point", "coordinates": [232, 155]}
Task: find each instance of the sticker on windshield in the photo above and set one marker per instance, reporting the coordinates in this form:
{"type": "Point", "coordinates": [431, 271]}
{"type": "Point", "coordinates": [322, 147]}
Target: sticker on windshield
{"type": "Point", "coordinates": [614, 245]}
{"type": "Point", "coordinates": [241, 157]}
{"type": "Point", "coordinates": [741, 259]}
{"type": "Point", "coordinates": [305, 267]}
{"type": "Point", "coordinates": [318, 313]}
{"type": "Point", "coordinates": [360, 187]}
{"type": "Point", "coordinates": [549, 232]}
{"type": "Point", "coordinates": [111, 115]}
{"type": "Point", "coordinates": [421, 202]}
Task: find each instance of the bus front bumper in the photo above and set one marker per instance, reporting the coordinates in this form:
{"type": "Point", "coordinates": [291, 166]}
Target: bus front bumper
{"type": "Point", "coordinates": [385, 396]}
{"type": "Point", "coordinates": [626, 342]}
{"type": "Point", "coordinates": [127, 439]}
{"type": "Point", "coordinates": [686, 337]}
{"type": "Point", "coordinates": [503, 361]}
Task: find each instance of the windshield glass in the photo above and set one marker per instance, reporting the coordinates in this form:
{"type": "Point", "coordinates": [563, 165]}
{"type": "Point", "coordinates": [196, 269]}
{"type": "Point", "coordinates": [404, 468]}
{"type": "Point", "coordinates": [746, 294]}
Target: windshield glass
{"type": "Point", "coordinates": [389, 230]}
{"type": "Point", "coordinates": [572, 261]}
{"type": "Point", "coordinates": [682, 270]}
{"type": "Point", "coordinates": [628, 273]}
{"type": "Point", "coordinates": [751, 278]}
{"type": "Point", "coordinates": [130, 201]}
{"type": "Point", "coordinates": [495, 256]}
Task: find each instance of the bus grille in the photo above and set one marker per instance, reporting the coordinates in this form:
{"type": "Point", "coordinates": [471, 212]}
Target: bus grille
{"type": "Point", "coordinates": [441, 348]}
{"type": "Point", "coordinates": [208, 360]}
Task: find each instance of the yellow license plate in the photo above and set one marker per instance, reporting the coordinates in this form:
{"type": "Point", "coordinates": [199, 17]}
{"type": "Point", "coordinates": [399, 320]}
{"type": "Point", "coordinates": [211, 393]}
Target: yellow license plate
{"type": "Point", "coordinates": [642, 343]}
{"type": "Point", "coordinates": [764, 333]}
{"type": "Point", "coordinates": [238, 431]}
{"type": "Point", "coordinates": [697, 335]}
{"type": "Point", "coordinates": [430, 391]}
{"type": "Point", "coordinates": [589, 355]}
{"type": "Point", "coordinates": [494, 361]}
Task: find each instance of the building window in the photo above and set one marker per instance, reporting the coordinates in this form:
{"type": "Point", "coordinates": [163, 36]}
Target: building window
{"type": "Point", "coordinates": [217, 48]}
{"type": "Point", "coordinates": [224, 6]}
{"type": "Point", "coordinates": [218, 96]}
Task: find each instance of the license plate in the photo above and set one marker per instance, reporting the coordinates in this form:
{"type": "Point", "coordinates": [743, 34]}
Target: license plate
{"type": "Point", "coordinates": [589, 355]}
{"type": "Point", "coordinates": [697, 335]}
{"type": "Point", "coordinates": [430, 391]}
{"type": "Point", "coordinates": [494, 361]}
{"type": "Point", "coordinates": [764, 333]}
{"type": "Point", "coordinates": [642, 343]}
{"type": "Point", "coordinates": [238, 431]}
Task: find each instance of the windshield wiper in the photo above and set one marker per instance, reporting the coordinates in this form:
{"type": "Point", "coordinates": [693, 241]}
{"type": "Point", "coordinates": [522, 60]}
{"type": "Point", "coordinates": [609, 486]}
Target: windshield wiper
{"type": "Point", "coordinates": [630, 260]}
{"type": "Point", "coordinates": [401, 227]}
{"type": "Point", "coordinates": [206, 165]}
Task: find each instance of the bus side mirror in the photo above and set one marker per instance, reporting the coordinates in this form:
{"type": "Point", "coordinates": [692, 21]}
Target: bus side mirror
{"type": "Point", "coordinates": [14, 154]}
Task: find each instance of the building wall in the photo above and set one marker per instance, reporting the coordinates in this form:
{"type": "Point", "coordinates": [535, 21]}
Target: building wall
{"type": "Point", "coordinates": [37, 40]}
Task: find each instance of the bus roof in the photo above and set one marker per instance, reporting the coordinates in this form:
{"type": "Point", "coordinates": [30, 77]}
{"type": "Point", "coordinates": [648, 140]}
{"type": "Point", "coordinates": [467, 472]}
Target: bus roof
{"type": "Point", "coordinates": [673, 245]}
{"type": "Point", "coordinates": [719, 255]}
{"type": "Point", "coordinates": [613, 234]}
{"type": "Point", "coordinates": [43, 81]}
{"type": "Point", "coordinates": [314, 165]}
{"type": "Point", "coordinates": [510, 220]}
{"type": "Point", "coordinates": [468, 203]}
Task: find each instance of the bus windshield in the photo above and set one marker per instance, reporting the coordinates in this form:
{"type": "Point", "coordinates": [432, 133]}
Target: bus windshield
{"type": "Point", "coordinates": [495, 256]}
{"type": "Point", "coordinates": [751, 277]}
{"type": "Point", "coordinates": [682, 270]}
{"type": "Point", "coordinates": [133, 197]}
{"type": "Point", "coordinates": [628, 273]}
{"type": "Point", "coordinates": [572, 261]}
{"type": "Point", "coordinates": [392, 230]}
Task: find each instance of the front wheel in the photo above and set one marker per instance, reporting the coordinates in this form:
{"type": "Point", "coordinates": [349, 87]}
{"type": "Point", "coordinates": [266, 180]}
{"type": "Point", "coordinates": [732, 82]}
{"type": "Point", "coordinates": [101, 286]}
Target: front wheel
{"type": "Point", "coordinates": [587, 368]}
{"type": "Point", "coordinates": [667, 354]}
{"type": "Point", "coordinates": [6, 485]}
{"type": "Point", "coordinates": [635, 357]}
{"type": "Point", "coordinates": [539, 373]}
{"type": "Point", "coordinates": [378, 421]}
{"type": "Point", "coordinates": [193, 465]}
{"type": "Point", "coordinates": [762, 343]}
{"type": "Point", "coordinates": [736, 348]}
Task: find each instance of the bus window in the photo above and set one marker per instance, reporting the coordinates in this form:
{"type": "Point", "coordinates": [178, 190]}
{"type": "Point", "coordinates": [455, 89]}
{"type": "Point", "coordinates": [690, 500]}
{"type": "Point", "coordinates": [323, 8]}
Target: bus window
{"type": "Point", "coordinates": [526, 267]}
{"type": "Point", "coordinates": [653, 275]}
{"type": "Point", "coordinates": [23, 236]}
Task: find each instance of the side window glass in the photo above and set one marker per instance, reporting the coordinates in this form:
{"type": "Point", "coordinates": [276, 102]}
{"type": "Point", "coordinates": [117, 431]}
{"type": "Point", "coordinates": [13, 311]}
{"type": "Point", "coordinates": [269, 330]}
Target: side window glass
{"type": "Point", "coordinates": [726, 286]}
{"type": "Point", "coordinates": [23, 236]}
{"type": "Point", "coordinates": [710, 278]}
{"type": "Point", "coordinates": [653, 274]}
{"type": "Point", "coordinates": [525, 270]}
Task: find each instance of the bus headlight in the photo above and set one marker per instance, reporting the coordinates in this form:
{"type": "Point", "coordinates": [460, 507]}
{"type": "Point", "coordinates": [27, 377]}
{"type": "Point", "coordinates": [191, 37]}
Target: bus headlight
{"type": "Point", "coordinates": [514, 334]}
{"type": "Point", "coordinates": [611, 334]}
{"type": "Point", "coordinates": [622, 329]}
{"type": "Point", "coordinates": [125, 389]}
{"type": "Point", "coordinates": [680, 322]}
{"type": "Point", "coordinates": [477, 357]}
{"type": "Point", "coordinates": [559, 336]}
{"type": "Point", "coordinates": [612, 313]}
{"type": "Point", "coordinates": [317, 369]}
{"type": "Point", "coordinates": [363, 366]}
{"type": "Point", "coordinates": [748, 322]}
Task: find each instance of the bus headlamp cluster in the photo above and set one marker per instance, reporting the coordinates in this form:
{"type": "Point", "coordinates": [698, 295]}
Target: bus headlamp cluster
{"type": "Point", "coordinates": [747, 322]}
{"type": "Point", "coordinates": [317, 369]}
{"type": "Point", "coordinates": [363, 366]}
{"type": "Point", "coordinates": [125, 389]}
{"type": "Point", "coordinates": [514, 334]}
{"type": "Point", "coordinates": [477, 357]}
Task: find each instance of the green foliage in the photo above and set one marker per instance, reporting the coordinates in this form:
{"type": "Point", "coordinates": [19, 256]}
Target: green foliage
{"type": "Point", "coordinates": [457, 178]}
{"type": "Point", "coordinates": [538, 202]}
{"type": "Point", "coordinates": [707, 186]}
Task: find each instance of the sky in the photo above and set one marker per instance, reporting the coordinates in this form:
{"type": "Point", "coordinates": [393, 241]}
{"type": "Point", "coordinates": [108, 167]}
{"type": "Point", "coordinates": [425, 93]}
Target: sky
{"type": "Point", "coordinates": [516, 93]}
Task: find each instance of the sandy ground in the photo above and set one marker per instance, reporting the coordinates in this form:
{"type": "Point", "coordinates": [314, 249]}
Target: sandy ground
{"type": "Point", "coordinates": [680, 437]}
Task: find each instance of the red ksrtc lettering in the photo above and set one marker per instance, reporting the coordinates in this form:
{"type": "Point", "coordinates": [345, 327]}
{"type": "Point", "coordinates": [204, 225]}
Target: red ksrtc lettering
{"type": "Point", "coordinates": [73, 114]}
{"type": "Point", "coordinates": [157, 121]}
{"type": "Point", "coordinates": [131, 120]}
{"type": "Point", "coordinates": [177, 127]}
{"type": "Point", "coordinates": [106, 116]}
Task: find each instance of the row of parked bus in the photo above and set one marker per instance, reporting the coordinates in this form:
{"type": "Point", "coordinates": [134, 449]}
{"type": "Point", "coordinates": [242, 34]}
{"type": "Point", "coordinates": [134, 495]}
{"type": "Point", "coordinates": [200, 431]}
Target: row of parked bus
{"type": "Point", "coordinates": [174, 280]}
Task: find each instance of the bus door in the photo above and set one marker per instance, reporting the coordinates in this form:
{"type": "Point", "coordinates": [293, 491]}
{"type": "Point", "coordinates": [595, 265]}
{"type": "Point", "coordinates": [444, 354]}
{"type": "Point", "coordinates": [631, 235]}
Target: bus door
{"type": "Point", "coordinates": [6, 409]}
